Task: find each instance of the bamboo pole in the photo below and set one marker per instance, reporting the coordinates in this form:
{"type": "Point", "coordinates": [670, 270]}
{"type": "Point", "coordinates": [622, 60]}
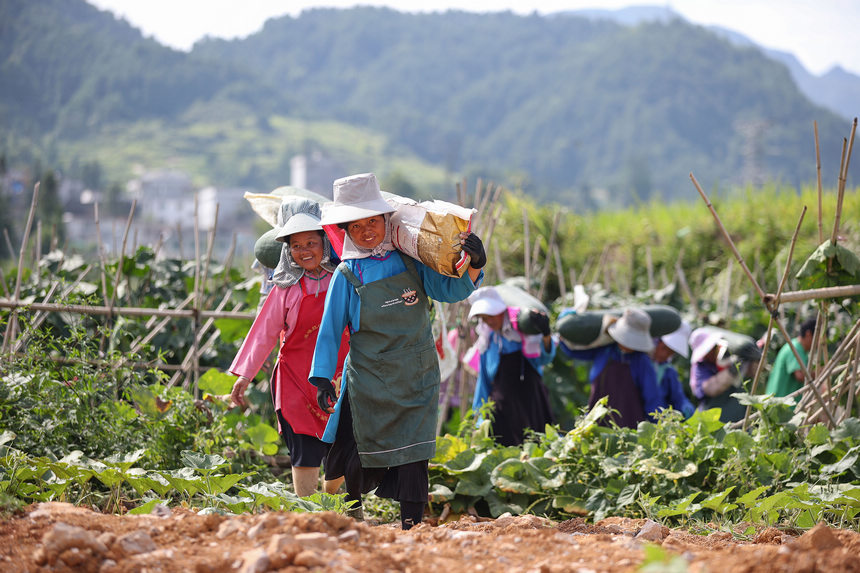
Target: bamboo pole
{"type": "Point", "coordinates": [817, 293]}
{"type": "Point", "coordinates": [820, 192]}
{"type": "Point", "coordinates": [782, 281]}
{"type": "Point", "coordinates": [117, 311]}
{"type": "Point", "coordinates": [549, 253]}
{"type": "Point", "coordinates": [3, 284]}
{"type": "Point", "coordinates": [12, 325]}
{"type": "Point", "coordinates": [762, 296]}
{"type": "Point", "coordinates": [559, 269]}
{"type": "Point", "coordinates": [849, 406]}
{"type": "Point", "coordinates": [498, 268]}
{"type": "Point", "coordinates": [100, 244]}
{"type": "Point", "coordinates": [526, 246]}
{"type": "Point", "coordinates": [8, 243]}
{"type": "Point", "coordinates": [649, 266]}
{"type": "Point", "coordinates": [843, 177]}
{"type": "Point", "coordinates": [195, 369]}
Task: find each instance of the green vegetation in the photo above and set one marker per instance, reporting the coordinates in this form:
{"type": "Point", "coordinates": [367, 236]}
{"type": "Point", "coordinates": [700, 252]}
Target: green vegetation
{"type": "Point", "coordinates": [675, 471]}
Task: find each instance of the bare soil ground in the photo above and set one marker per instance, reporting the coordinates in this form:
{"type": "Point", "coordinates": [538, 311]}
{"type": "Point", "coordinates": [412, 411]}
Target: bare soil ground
{"type": "Point", "coordinates": [61, 537]}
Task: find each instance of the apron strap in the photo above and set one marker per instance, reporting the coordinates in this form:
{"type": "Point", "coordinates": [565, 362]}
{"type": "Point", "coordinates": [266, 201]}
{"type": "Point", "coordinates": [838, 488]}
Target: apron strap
{"type": "Point", "coordinates": [344, 270]}
{"type": "Point", "coordinates": [409, 263]}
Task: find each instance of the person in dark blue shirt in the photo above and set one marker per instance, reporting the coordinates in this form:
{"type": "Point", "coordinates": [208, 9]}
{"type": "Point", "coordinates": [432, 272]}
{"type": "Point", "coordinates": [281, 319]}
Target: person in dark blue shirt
{"type": "Point", "coordinates": [623, 371]}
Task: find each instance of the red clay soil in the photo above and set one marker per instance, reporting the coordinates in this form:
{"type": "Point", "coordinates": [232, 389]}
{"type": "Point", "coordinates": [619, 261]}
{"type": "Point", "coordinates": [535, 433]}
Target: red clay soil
{"type": "Point", "coordinates": [62, 537]}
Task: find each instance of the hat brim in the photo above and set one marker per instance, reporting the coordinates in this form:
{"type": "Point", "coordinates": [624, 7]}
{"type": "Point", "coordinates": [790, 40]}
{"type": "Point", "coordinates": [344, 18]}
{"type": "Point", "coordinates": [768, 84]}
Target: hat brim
{"type": "Point", "coordinates": [334, 213]}
{"type": "Point", "coordinates": [639, 341]}
{"type": "Point", "coordinates": [487, 306]}
{"type": "Point", "coordinates": [298, 223]}
{"type": "Point", "coordinates": [700, 351]}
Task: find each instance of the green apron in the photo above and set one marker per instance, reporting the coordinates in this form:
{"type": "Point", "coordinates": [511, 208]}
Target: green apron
{"type": "Point", "coordinates": [392, 371]}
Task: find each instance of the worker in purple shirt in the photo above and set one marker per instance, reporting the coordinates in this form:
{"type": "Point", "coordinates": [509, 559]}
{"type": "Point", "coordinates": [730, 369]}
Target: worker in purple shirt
{"type": "Point", "coordinates": [623, 371]}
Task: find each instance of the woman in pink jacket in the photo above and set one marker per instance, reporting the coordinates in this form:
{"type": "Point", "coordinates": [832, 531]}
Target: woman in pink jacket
{"type": "Point", "coordinates": [291, 314]}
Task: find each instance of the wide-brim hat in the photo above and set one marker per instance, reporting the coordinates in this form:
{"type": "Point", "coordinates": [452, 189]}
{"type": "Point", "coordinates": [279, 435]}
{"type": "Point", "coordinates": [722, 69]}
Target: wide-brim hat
{"type": "Point", "coordinates": [632, 330]}
{"type": "Point", "coordinates": [678, 341]}
{"type": "Point", "coordinates": [701, 342]}
{"type": "Point", "coordinates": [355, 197]}
{"type": "Point", "coordinates": [298, 223]}
{"type": "Point", "coordinates": [486, 300]}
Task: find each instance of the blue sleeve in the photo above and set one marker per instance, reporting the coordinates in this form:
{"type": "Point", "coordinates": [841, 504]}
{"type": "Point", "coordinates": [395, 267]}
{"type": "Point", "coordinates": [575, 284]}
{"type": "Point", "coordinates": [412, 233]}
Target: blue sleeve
{"type": "Point", "coordinates": [446, 289]}
{"type": "Point", "coordinates": [341, 308]}
{"type": "Point", "coordinates": [677, 399]}
{"type": "Point", "coordinates": [646, 381]}
{"type": "Point", "coordinates": [588, 354]}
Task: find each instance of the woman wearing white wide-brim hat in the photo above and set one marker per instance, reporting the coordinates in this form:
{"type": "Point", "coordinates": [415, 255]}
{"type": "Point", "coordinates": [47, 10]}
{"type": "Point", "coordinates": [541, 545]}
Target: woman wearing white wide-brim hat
{"type": "Point", "coordinates": [623, 371]}
{"type": "Point", "coordinates": [383, 425]}
{"type": "Point", "coordinates": [290, 314]}
{"type": "Point", "coordinates": [511, 366]}
{"type": "Point", "coordinates": [668, 382]}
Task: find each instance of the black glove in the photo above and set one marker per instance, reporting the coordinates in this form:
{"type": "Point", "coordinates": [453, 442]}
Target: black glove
{"type": "Point", "coordinates": [325, 393]}
{"type": "Point", "coordinates": [475, 249]}
{"type": "Point", "coordinates": [541, 321]}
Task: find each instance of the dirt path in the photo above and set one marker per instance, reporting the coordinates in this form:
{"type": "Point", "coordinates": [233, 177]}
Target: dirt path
{"type": "Point", "coordinates": [61, 537]}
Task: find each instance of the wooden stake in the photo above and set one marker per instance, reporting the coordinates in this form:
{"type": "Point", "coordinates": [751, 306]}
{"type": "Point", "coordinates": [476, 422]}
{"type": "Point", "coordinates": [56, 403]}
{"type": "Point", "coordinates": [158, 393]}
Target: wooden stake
{"type": "Point", "coordinates": [559, 271]}
{"type": "Point", "coordinates": [526, 246]}
{"type": "Point", "coordinates": [843, 176]}
{"type": "Point", "coordinates": [820, 192]}
{"type": "Point", "coordinates": [549, 253]}
{"type": "Point", "coordinates": [12, 325]}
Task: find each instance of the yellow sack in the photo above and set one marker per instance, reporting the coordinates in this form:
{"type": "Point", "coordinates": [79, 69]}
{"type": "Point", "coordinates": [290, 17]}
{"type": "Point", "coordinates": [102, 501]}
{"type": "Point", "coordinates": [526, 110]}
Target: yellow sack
{"type": "Point", "coordinates": [429, 232]}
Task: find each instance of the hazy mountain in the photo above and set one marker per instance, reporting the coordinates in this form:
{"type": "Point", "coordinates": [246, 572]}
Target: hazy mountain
{"type": "Point", "coordinates": [574, 108]}
{"type": "Point", "coordinates": [837, 90]}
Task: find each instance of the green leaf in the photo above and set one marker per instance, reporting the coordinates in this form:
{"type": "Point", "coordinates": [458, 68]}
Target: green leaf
{"type": "Point", "coordinates": [216, 383]}
{"type": "Point", "coordinates": [147, 507]}
{"type": "Point", "coordinates": [818, 434]}
{"type": "Point", "coordinates": [203, 463]}
{"type": "Point", "coordinates": [439, 493]}
{"type": "Point", "coordinates": [749, 498]}
{"type": "Point", "coordinates": [847, 430]}
{"type": "Point", "coordinates": [848, 462]}
{"type": "Point", "coordinates": [232, 329]}
{"type": "Point", "coordinates": [708, 420]}
{"type": "Point", "coordinates": [263, 438]}
{"type": "Point", "coordinates": [124, 461]}
{"type": "Point", "coordinates": [716, 501]}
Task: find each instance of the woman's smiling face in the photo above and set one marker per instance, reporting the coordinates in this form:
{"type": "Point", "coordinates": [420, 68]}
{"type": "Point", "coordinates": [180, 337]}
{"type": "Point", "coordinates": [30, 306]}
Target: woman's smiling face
{"type": "Point", "coordinates": [306, 248]}
{"type": "Point", "coordinates": [367, 233]}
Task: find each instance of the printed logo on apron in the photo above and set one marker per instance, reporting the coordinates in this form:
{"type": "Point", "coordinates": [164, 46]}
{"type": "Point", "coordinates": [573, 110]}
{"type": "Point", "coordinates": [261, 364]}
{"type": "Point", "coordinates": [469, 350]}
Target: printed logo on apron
{"type": "Point", "coordinates": [410, 296]}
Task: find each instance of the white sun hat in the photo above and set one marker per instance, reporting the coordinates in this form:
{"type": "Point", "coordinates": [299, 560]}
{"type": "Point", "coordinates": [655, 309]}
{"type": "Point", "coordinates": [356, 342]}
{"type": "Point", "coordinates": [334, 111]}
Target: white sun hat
{"type": "Point", "coordinates": [486, 300]}
{"type": "Point", "coordinates": [632, 330]}
{"type": "Point", "coordinates": [355, 197]}
{"type": "Point", "coordinates": [702, 341]}
{"type": "Point", "coordinates": [678, 341]}
{"type": "Point", "coordinates": [298, 223]}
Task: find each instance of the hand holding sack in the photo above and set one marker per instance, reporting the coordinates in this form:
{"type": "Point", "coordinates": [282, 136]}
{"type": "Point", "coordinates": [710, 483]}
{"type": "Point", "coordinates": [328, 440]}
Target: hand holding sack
{"type": "Point", "coordinates": [533, 321]}
{"type": "Point", "coordinates": [474, 247]}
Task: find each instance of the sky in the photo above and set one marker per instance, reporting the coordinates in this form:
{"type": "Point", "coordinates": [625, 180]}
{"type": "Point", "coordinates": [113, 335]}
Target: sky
{"type": "Point", "coordinates": [820, 33]}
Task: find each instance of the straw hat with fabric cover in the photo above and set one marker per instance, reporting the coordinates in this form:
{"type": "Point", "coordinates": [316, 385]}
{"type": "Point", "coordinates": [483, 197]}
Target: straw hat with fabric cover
{"type": "Point", "coordinates": [355, 197]}
{"type": "Point", "coordinates": [307, 212]}
{"type": "Point", "coordinates": [632, 330]}
{"type": "Point", "coordinates": [298, 223]}
{"type": "Point", "coordinates": [701, 342]}
{"type": "Point", "coordinates": [486, 300]}
{"type": "Point", "coordinates": [678, 341]}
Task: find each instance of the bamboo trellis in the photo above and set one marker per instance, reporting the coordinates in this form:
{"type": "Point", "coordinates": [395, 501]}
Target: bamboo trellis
{"type": "Point", "coordinates": [201, 317]}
